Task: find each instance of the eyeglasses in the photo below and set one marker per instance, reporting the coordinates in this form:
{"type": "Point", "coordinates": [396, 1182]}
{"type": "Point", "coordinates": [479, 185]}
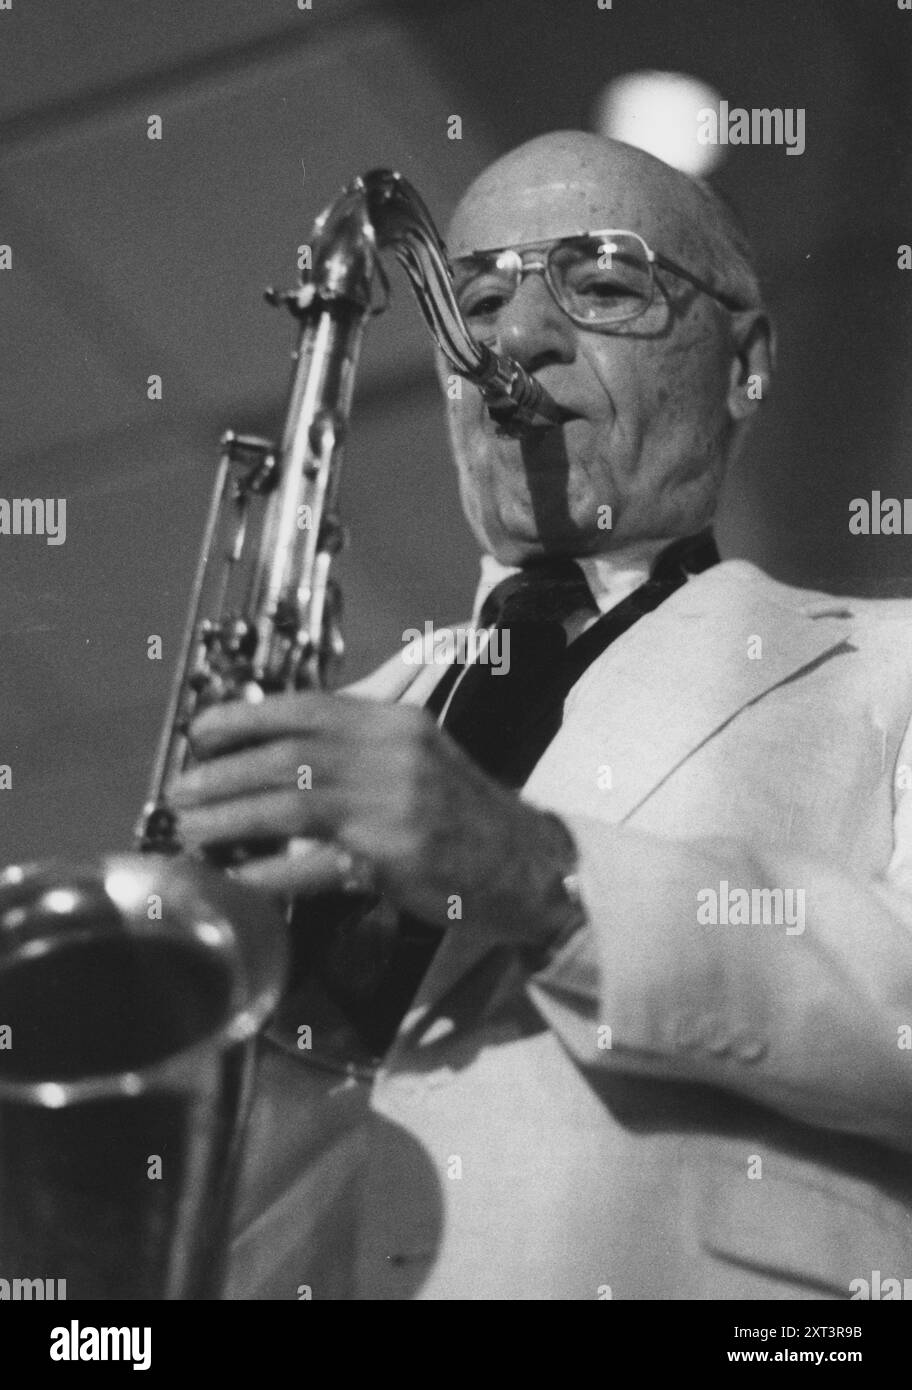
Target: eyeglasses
{"type": "Point", "coordinates": [599, 279]}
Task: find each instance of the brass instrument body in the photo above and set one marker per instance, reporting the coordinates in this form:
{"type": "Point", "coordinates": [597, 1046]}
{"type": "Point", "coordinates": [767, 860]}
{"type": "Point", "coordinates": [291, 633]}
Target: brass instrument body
{"type": "Point", "coordinates": [128, 1077]}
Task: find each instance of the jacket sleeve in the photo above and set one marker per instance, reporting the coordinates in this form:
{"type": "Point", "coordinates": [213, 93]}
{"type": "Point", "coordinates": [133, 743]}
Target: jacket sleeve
{"type": "Point", "coordinates": [813, 1019]}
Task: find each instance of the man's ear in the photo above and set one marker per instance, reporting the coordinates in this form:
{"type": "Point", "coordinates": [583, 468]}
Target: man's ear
{"type": "Point", "coordinates": [753, 359]}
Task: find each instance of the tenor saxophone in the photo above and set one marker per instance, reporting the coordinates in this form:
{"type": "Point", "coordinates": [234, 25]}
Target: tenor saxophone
{"type": "Point", "coordinates": [132, 988]}
{"type": "Point", "coordinates": [277, 625]}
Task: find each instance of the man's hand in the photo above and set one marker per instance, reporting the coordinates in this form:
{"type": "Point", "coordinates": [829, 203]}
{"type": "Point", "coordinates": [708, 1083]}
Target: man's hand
{"type": "Point", "coordinates": [385, 784]}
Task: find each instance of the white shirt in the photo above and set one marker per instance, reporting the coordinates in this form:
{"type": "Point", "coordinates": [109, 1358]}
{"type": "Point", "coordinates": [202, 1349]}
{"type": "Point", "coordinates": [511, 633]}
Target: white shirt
{"type": "Point", "coordinates": [611, 578]}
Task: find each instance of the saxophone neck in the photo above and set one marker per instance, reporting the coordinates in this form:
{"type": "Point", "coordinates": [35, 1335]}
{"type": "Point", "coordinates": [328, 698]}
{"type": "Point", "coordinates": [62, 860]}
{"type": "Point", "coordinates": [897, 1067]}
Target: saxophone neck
{"type": "Point", "coordinates": [344, 251]}
{"type": "Point", "coordinates": [399, 219]}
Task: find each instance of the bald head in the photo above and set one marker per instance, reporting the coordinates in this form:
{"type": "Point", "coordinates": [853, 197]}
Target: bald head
{"type": "Point", "coordinates": [657, 404]}
{"type": "Point", "coordinates": [571, 181]}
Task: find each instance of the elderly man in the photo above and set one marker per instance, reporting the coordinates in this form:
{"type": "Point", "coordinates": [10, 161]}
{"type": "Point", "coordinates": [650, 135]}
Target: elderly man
{"type": "Point", "coordinates": [656, 889]}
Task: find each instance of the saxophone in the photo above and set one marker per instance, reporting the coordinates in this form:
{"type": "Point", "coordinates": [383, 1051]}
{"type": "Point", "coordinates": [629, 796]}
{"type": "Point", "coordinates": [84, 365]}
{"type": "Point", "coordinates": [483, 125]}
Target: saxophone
{"type": "Point", "coordinates": [133, 989]}
{"type": "Point", "coordinates": [278, 628]}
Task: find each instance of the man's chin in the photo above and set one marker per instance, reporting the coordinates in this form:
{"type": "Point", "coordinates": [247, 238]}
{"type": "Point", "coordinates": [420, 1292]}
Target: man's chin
{"type": "Point", "coordinates": [523, 547]}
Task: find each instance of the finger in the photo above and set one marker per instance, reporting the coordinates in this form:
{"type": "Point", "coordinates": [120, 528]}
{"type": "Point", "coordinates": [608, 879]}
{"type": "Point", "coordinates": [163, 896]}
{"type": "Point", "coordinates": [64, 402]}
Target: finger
{"type": "Point", "coordinates": [274, 766]}
{"type": "Point", "coordinates": [308, 866]}
{"type": "Point", "coordinates": [237, 723]}
{"type": "Point", "coordinates": [263, 816]}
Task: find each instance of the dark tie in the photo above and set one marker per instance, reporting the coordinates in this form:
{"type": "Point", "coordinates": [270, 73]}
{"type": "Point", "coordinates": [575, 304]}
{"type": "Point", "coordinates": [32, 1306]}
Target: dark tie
{"type": "Point", "coordinates": [526, 613]}
{"type": "Point", "coordinates": [548, 591]}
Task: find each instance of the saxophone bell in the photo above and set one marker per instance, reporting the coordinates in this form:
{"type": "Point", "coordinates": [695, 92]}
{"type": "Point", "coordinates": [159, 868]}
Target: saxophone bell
{"type": "Point", "coordinates": [133, 989]}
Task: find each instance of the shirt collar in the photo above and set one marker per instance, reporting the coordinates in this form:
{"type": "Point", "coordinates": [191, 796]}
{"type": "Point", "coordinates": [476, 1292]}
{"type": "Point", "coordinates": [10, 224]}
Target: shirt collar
{"type": "Point", "coordinates": [611, 577]}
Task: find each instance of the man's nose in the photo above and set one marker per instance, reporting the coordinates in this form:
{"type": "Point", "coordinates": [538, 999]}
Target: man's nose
{"type": "Point", "coordinates": [534, 329]}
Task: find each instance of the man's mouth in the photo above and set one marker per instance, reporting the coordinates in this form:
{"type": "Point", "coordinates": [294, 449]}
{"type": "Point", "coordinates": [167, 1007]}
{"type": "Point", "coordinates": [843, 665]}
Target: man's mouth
{"type": "Point", "coordinates": [553, 413]}
{"type": "Point", "coordinates": [565, 415]}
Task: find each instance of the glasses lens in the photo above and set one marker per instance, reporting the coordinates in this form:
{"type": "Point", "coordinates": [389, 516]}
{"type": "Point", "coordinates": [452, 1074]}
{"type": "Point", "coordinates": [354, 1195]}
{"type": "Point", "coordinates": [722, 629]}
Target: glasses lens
{"type": "Point", "coordinates": [602, 279]}
{"type": "Point", "coordinates": [484, 284]}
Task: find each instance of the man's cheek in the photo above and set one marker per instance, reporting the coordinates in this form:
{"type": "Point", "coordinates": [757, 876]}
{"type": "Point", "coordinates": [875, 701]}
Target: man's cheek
{"type": "Point", "coordinates": [483, 482]}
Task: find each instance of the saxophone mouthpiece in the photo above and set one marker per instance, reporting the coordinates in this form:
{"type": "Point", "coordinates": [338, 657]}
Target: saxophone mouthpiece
{"type": "Point", "coordinates": [517, 403]}
{"type": "Point", "coordinates": [549, 413]}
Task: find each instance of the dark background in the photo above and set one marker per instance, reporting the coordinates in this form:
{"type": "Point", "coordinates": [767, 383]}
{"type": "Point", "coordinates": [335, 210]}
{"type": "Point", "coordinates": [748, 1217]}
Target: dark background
{"type": "Point", "coordinates": [133, 256]}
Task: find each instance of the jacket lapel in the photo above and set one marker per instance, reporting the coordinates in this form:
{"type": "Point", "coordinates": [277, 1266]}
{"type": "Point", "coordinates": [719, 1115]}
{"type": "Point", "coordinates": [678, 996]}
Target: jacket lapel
{"type": "Point", "coordinates": [651, 700]}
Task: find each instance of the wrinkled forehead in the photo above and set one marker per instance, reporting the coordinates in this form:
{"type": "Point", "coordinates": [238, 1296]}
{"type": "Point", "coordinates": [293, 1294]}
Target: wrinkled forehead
{"type": "Point", "coordinates": [542, 210]}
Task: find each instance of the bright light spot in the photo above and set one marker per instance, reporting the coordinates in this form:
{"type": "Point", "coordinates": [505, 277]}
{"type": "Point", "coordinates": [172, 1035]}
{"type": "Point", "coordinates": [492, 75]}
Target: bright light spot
{"type": "Point", "coordinates": [243, 1026]}
{"type": "Point", "coordinates": [209, 934]}
{"type": "Point", "coordinates": [658, 112]}
{"type": "Point", "coordinates": [125, 889]}
{"type": "Point", "coordinates": [51, 1095]}
{"type": "Point", "coordinates": [14, 874]}
{"type": "Point", "coordinates": [30, 950]}
{"type": "Point", "coordinates": [60, 900]}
